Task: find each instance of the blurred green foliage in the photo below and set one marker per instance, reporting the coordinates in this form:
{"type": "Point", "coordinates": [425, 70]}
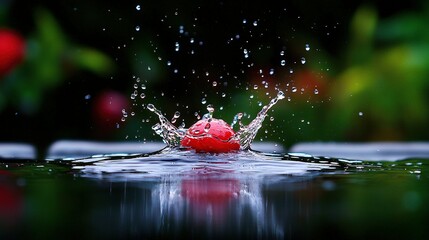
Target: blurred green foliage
{"type": "Point", "coordinates": [385, 77]}
{"type": "Point", "coordinates": [365, 77]}
{"type": "Point", "coordinates": [377, 88]}
{"type": "Point", "coordinates": [50, 59]}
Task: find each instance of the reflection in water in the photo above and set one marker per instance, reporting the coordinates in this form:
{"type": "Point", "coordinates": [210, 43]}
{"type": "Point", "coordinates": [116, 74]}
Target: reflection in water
{"type": "Point", "coordinates": [209, 201]}
{"type": "Point", "coordinates": [202, 203]}
{"type": "Point", "coordinates": [201, 196]}
{"type": "Point", "coordinates": [11, 201]}
{"type": "Point", "coordinates": [197, 196]}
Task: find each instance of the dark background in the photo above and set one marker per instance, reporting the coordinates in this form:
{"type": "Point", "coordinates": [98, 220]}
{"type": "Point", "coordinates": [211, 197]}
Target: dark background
{"type": "Point", "coordinates": [346, 39]}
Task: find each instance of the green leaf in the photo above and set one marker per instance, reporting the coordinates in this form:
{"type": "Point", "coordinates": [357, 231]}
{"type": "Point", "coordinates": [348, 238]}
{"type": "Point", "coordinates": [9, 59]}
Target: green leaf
{"type": "Point", "coordinates": [45, 50]}
{"type": "Point", "coordinates": [50, 34]}
{"type": "Point", "coordinates": [363, 25]}
{"type": "Point", "coordinates": [93, 60]}
{"type": "Point", "coordinates": [405, 27]}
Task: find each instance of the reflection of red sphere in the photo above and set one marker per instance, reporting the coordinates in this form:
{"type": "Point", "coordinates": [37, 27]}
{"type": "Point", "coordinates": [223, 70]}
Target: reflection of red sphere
{"type": "Point", "coordinates": [12, 50]}
{"type": "Point", "coordinates": [107, 108]}
{"type": "Point", "coordinates": [11, 201]}
{"type": "Point", "coordinates": [212, 136]}
{"type": "Point", "coordinates": [210, 191]}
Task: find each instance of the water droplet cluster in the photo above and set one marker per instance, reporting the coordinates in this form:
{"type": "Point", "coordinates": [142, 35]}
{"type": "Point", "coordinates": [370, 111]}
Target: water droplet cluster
{"type": "Point", "coordinates": [172, 135]}
{"type": "Point", "coordinates": [220, 82]}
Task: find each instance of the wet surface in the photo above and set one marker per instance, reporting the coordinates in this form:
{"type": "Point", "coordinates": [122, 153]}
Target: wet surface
{"type": "Point", "coordinates": [183, 195]}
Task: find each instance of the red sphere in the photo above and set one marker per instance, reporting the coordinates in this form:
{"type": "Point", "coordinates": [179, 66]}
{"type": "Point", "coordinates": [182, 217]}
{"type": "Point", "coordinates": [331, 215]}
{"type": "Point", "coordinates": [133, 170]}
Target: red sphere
{"type": "Point", "coordinates": [107, 108]}
{"type": "Point", "coordinates": [212, 136]}
{"type": "Point", "coordinates": [12, 50]}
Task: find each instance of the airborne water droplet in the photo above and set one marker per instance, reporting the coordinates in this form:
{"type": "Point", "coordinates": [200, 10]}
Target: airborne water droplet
{"type": "Point", "coordinates": [203, 101]}
{"type": "Point", "coordinates": [138, 8]}
{"type": "Point", "coordinates": [303, 60]}
{"type": "Point", "coordinates": [266, 85]}
{"type": "Point", "coordinates": [283, 62]}
{"type": "Point", "coordinates": [316, 91]}
{"type": "Point", "coordinates": [175, 116]}
{"type": "Point", "coordinates": [150, 107]}
{"type": "Point", "coordinates": [246, 53]}
{"type": "Point", "coordinates": [294, 89]}
{"type": "Point", "coordinates": [210, 108]}
{"type": "Point", "coordinates": [307, 47]}
{"type": "Point", "coordinates": [137, 28]}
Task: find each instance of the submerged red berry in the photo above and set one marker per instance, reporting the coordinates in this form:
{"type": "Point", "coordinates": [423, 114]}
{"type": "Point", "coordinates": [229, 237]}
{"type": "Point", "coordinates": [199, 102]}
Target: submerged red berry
{"type": "Point", "coordinates": [210, 135]}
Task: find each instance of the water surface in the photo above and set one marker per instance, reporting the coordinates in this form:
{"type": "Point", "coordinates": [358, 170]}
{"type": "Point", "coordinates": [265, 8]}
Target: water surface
{"type": "Point", "coordinates": [183, 195]}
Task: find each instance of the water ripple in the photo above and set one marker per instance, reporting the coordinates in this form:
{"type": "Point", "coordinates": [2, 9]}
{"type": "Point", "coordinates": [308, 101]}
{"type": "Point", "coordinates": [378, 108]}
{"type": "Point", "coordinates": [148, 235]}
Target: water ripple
{"type": "Point", "coordinates": [182, 164]}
